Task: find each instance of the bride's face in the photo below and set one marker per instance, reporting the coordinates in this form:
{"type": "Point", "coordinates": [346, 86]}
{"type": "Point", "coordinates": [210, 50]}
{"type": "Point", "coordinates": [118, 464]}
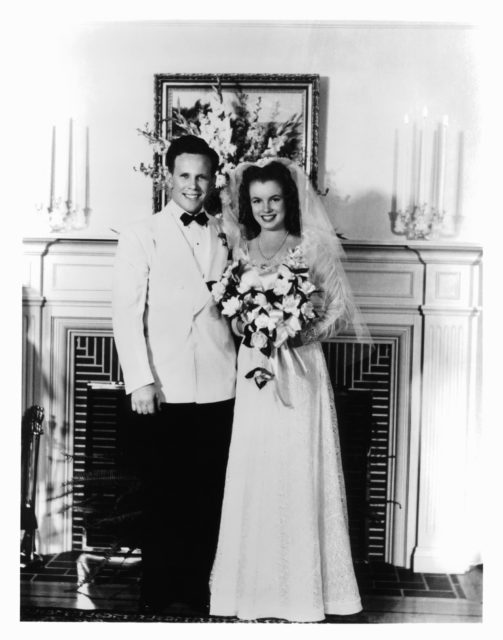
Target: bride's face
{"type": "Point", "coordinates": [268, 205]}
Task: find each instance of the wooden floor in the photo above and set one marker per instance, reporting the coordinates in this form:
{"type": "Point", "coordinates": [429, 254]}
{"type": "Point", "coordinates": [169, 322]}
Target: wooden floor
{"type": "Point", "coordinates": [377, 609]}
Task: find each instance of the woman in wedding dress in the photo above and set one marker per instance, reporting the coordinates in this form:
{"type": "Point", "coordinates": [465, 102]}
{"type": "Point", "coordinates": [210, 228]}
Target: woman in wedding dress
{"type": "Point", "coordinates": [283, 549]}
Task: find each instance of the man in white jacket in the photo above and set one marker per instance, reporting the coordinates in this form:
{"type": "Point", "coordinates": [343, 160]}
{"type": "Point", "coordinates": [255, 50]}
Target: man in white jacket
{"type": "Point", "coordinates": [178, 359]}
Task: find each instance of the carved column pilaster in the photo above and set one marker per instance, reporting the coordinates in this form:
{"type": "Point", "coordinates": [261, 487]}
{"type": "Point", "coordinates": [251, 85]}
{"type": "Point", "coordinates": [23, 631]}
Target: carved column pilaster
{"type": "Point", "coordinates": [33, 302]}
{"type": "Point", "coordinates": [451, 315]}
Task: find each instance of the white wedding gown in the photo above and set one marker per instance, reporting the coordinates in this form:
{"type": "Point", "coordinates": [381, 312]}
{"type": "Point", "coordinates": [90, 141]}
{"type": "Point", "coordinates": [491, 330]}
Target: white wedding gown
{"type": "Point", "coordinates": [283, 548]}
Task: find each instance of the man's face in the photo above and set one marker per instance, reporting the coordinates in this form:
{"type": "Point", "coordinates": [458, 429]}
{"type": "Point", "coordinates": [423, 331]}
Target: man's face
{"type": "Point", "coordinates": [190, 181]}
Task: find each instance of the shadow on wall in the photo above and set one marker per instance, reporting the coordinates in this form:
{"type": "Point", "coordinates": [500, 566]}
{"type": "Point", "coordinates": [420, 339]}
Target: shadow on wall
{"type": "Point", "coordinates": [364, 217]}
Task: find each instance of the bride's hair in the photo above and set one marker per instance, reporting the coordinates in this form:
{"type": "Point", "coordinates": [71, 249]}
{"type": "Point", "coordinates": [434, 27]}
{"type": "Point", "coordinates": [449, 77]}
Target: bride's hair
{"type": "Point", "coordinates": [277, 172]}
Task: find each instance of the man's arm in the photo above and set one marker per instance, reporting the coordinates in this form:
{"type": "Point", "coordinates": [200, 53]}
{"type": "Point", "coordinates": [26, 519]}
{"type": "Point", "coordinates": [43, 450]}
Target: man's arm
{"type": "Point", "coordinates": [130, 284]}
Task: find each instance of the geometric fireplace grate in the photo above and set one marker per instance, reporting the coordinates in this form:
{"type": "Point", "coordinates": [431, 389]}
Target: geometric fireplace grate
{"type": "Point", "coordinates": [362, 382]}
{"type": "Point", "coordinates": [96, 408]}
{"type": "Point", "coordinates": [362, 386]}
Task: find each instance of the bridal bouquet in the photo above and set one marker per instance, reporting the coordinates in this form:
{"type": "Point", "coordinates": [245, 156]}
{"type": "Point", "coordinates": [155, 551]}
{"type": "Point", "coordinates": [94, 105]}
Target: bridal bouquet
{"type": "Point", "coordinates": [268, 316]}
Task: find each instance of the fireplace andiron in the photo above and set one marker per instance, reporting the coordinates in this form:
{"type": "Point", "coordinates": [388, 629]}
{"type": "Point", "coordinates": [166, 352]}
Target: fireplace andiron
{"type": "Point", "coordinates": [30, 444]}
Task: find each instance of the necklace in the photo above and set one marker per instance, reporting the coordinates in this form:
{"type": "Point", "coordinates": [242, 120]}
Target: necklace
{"type": "Point", "coordinates": [277, 250]}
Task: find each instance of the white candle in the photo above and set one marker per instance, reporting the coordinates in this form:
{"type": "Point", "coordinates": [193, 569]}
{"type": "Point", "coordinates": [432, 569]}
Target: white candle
{"type": "Point", "coordinates": [413, 167]}
{"type": "Point", "coordinates": [434, 170]}
{"type": "Point", "coordinates": [70, 162]}
{"type": "Point", "coordinates": [405, 166]}
{"type": "Point", "coordinates": [420, 180]}
{"type": "Point", "coordinates": [421, 167]}
{"type": "Point", "coordinates": [459, 190]}
{"type": "Point", "coordinates": [394, 195]}
{"type": "Point", "coordinates": [86, 196]}
{"type": "Point", "coordinates": [53, 167]}
{"type": "Point", "coordinates": [441, 163]}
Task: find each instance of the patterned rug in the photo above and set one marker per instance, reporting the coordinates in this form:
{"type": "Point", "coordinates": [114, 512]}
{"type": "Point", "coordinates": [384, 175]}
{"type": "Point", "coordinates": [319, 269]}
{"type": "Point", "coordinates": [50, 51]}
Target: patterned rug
{"type": "Point", "coordinates": [54, 614]}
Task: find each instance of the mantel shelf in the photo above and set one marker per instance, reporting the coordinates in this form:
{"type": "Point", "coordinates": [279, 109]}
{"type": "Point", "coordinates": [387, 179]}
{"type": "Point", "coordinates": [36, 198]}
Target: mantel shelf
{"type": "Point", "coordinates": [425, 245]}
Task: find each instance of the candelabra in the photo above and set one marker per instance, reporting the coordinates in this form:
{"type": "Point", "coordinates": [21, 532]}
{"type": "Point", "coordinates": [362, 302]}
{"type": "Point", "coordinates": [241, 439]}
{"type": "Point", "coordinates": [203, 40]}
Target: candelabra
{"type": "Point", "coordinates": [66, 215]}
{"type": "Point", "coordinates": [418, 199]}
{"type": "Point", "coordinates": [419, 222]}
{"type": "Point", "coordinates": [63, 215]}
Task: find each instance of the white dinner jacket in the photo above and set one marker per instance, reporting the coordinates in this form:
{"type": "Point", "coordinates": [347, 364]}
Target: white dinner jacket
{"type": "Point", "coordinates": [166, 326]}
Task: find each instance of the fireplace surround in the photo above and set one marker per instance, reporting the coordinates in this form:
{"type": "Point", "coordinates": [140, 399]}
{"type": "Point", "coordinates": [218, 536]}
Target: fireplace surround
{"type": "Point", "coordinates": [422, 303]}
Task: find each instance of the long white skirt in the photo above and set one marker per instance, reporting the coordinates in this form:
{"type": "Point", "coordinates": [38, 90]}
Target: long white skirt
{"type": "Point", "coordinates": [283, 548]}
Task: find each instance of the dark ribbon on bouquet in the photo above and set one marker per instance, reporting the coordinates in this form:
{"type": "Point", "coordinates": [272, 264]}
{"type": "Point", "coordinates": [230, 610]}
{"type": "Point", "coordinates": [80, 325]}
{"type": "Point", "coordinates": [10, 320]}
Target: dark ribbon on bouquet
{"type": "Point", "coordinates": [285, 364]}
{"type": "Point", "coordinates": [260, 375]}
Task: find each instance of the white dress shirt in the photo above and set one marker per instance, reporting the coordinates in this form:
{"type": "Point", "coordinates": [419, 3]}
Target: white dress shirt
{"type": "Point", "coordinates": [198, 237]}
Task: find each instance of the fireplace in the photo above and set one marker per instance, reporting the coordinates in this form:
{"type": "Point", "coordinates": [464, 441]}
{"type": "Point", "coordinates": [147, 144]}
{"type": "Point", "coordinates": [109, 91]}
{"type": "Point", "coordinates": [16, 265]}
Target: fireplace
{"type": "Point", "coordinates": [410, 496]}
{"type": "Point", "coordinates": [361, 380]}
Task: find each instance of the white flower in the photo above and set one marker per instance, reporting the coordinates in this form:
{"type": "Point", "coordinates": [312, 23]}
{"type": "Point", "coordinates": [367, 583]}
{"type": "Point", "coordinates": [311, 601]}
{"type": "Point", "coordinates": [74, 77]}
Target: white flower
{"type": "Point", "coordinates": [285, 272]}
{"type": "Point", "coordinates": [250, 315]}
{"type": "Point", "coordinates": [282, 286]}
{"type": "Point", "coordinates": [231, 306]}
{"type": "Point", "coordinates": [260, 299]}
{"type": "Point", "coordinates": [295, 259]}
{"type": "Point", "coordinates": [244, 285]}
{"type": "Point", "coordinates": [218, 291]}
{"type": "Point", "coordinates": [258, 340]}
{"type": "Point", "coordinates": [306, 287]}
{"type": "Point", "coordinates": [160, 147]}
{"type": "Point", "coordinates": [264, 321]}
{"type": "Point", "coordinates": [220, 181]}
{"type": "Point", "coordinates": [308, 310]}
{"type": "Point", "coordinates": [290, 304]}
{"type": "Point", "coordinates": [287, 329]}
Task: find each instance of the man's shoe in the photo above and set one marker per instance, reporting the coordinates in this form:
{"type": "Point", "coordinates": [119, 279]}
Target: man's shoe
{"type": "Point", "coordinates": [149, 607]}
{"type": "Point", "coordinates": [200, 607]}
{"type": "Point", "coordinates": [190, 609]}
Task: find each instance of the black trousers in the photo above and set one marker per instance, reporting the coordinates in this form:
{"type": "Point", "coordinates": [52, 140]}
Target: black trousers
{"type": "Point", "coordinates": [180, 454]}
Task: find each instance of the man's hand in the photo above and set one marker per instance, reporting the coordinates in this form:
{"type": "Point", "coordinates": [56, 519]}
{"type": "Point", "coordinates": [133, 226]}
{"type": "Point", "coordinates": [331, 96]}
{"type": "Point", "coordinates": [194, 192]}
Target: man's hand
{"type": "Point", "coordinates": [144, 400]}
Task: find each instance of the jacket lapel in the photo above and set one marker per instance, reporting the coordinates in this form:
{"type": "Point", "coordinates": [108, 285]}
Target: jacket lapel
{"type": "Point", "coordinates": [218, 249]}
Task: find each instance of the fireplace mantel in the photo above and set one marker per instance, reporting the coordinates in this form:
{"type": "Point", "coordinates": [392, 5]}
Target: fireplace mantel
{"type": "Point", "coordinates": [423, 294]}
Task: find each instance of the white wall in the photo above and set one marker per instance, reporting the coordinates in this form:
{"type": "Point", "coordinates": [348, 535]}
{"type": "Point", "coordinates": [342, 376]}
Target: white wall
{"type": "Point", "coordinates": [371, 75]}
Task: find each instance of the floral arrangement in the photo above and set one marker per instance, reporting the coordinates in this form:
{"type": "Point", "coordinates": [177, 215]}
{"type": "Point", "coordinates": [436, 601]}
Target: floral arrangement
{"type": "Point", "coordinates": [233, 129]}
{"type": "Point", "coordinates": [269, 316]}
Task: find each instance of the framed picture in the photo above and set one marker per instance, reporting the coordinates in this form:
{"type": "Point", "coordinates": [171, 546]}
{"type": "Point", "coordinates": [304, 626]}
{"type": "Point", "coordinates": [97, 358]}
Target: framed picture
{"type": "Point", "coordinates": [242, 116]}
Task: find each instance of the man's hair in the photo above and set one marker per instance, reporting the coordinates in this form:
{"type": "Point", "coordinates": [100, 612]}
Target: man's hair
{"type": "Point", "coordinates": [277, 172]}
{"type": "Point", "coordinates": [191, 144]}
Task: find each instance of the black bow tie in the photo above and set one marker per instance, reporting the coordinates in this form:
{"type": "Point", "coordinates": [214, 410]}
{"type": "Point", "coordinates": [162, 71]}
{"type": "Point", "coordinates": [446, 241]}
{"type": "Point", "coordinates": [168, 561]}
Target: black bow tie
{"type": "Point", "coordinates": [201, 218]}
